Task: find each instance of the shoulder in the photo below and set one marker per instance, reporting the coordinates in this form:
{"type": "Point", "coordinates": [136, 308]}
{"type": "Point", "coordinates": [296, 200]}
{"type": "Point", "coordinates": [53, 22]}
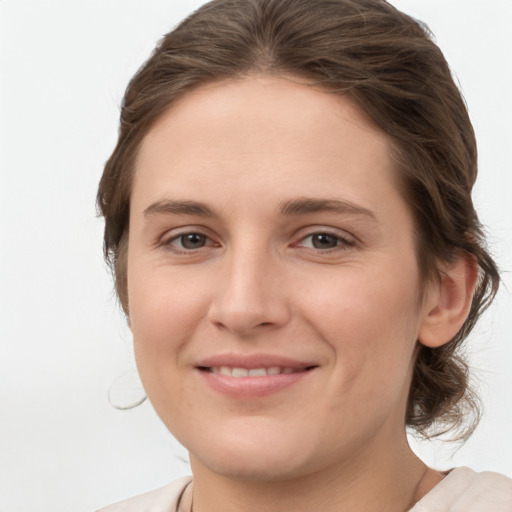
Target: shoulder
{"type": "Point", "coordinates": [164, 499]}
{"type": "Point", "coordinates": [466, 490]}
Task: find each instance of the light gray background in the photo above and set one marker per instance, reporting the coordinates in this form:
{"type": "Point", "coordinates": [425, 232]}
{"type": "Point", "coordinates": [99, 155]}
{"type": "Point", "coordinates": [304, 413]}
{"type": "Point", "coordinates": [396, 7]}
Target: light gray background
{"type": "Point", "coordinates": [64, 65]}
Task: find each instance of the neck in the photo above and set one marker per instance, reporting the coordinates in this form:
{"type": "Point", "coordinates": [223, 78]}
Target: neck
{"type": "Point", "coordinates": [384, 480]}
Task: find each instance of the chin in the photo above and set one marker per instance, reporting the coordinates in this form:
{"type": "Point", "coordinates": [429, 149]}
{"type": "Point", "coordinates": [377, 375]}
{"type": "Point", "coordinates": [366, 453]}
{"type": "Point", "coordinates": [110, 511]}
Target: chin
{"type": "Point", "coordinates": [260, 469]}
{"type": "Point", "coordinates": [255, 457]}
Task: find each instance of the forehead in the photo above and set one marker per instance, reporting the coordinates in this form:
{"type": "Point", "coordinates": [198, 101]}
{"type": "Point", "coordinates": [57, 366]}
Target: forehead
{"type": "Point", "coordinates": [263, 135]}
{"type": "Point", "coordinates": [262, 105]}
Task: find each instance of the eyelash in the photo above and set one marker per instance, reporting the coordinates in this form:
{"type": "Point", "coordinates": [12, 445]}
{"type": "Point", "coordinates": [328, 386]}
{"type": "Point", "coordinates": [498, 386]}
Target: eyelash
{"type": "Point", "coordinates": [167, 243]}
{"type": "Point", "coordinates": [342, 243]}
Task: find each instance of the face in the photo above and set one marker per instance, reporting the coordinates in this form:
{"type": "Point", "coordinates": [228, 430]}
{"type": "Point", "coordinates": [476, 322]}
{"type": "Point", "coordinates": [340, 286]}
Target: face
{"type": "Point", "coordinates": [272, 280]}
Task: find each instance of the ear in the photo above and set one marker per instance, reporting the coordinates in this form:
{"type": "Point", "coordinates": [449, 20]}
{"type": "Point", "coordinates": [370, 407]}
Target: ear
{"type": "Point", "coordinates": [448, 301]}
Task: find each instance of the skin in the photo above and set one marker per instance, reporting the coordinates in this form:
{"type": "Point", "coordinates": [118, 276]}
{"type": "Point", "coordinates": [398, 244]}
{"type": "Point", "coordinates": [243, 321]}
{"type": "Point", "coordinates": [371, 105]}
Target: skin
{"type": "Point", "coordinates": [259, 281]}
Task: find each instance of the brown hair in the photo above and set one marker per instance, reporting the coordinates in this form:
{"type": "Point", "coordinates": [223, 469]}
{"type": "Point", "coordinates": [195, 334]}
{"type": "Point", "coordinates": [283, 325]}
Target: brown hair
{"type": "Point", "coordinates": [389, 64]}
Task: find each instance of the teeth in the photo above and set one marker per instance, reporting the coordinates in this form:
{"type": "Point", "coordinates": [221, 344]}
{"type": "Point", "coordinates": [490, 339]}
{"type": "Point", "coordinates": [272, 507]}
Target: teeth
{"type": "Point", "coordinates": [240, 372]}
{"type": "Point", "coordinates": [253, 372]}
{"type": "Point", "coordinates": [256, 372]}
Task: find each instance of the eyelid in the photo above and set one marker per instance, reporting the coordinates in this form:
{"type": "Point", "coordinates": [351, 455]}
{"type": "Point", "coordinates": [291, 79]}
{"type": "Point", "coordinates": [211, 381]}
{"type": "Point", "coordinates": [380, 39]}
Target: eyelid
{"type": "Point", "coordinates": [346, 239]}
{"type": "Point", "coordinates": [174, 234]}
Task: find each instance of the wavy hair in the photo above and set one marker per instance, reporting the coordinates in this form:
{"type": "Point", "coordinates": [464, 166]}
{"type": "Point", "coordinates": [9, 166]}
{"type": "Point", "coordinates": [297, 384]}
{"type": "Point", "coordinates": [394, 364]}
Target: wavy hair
{"type": "Point", "coordinates": [389, 64]}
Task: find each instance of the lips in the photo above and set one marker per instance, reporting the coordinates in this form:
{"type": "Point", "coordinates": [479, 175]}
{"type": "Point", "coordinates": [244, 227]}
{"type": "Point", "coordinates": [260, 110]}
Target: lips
{"type": "Point", "coordinates": [254, 361]}
{"type": "Point", "coordinates": [252, 376]}
{"type": "Point", "coordinates": [252, 372]}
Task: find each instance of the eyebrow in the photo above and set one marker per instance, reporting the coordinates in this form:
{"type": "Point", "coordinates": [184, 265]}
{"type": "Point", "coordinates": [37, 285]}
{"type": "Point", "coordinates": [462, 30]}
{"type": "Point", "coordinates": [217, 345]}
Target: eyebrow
{"type": "Point", "coordinates": [168, 206]}
{"type": "Point", "coordinates": [302, 206]}
{"type": "Point", "coordinates": [293, 207]}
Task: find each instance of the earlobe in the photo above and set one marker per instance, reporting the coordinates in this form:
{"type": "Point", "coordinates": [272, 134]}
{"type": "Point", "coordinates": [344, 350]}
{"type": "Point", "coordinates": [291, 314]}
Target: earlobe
{"type": "Point", "coordinates": [449, 301]}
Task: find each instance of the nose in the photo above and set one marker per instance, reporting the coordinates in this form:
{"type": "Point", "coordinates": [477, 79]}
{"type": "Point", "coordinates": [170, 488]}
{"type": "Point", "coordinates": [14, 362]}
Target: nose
{"type": "Point", "coordinates": [251, 294]}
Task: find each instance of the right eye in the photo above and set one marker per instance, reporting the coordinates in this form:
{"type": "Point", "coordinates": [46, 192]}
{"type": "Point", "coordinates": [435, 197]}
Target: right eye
{"type": "Point", "coordinates": [187, 242]}
{"type": "Point", "coordinates": [191, 241]}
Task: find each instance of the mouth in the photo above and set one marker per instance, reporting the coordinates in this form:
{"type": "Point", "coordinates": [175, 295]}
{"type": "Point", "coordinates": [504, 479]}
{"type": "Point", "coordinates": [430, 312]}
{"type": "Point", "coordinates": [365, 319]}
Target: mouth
{"type": "Point", "coordinates": [244, 378]}
{"type": "Point", "coordinates": [236, 371]}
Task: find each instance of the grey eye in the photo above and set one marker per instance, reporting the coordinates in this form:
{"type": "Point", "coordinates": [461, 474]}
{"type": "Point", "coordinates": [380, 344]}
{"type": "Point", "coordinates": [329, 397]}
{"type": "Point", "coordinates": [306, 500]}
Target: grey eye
{"type": "Point", "coordinates": [192, 240]}
{"type": "Point", "coordinates": [324, 241]}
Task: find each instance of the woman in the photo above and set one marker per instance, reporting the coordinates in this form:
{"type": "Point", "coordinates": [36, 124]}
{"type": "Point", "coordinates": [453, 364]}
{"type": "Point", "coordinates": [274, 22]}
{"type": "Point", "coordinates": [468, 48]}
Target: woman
{"type": "Point", "coordinates": [289, 218]}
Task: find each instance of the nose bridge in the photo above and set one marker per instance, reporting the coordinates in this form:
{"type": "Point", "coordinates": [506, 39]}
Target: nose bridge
{"type": "Point", "coordinates": [249, 294]}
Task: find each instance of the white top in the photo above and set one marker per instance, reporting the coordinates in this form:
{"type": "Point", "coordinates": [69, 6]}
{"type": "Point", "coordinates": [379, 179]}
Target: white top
{"type": "Point", "coordinates": [174, 497]}
{"type": "Point", "coordinates": [462, 490]}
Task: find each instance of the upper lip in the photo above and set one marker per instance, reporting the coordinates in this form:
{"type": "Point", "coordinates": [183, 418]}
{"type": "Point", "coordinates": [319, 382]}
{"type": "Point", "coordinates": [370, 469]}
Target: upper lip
{"type": "Point", "coordinates": [251, 361]}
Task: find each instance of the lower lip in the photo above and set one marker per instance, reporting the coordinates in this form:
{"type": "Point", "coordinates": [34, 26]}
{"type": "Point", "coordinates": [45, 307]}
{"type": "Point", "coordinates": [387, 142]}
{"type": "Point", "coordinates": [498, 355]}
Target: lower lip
{"type": "Point", "coordinates": [252, 387]}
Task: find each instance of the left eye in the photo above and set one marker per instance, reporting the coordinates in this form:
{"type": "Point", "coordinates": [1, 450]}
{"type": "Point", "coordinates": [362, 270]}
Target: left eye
{"type": "Point", "coordinates": [324, 241]}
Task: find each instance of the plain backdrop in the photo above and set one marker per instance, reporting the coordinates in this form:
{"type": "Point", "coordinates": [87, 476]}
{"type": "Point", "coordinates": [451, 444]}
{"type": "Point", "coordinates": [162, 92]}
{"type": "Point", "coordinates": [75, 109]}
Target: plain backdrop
{"type": "Point", "coordinates": [64, 65]}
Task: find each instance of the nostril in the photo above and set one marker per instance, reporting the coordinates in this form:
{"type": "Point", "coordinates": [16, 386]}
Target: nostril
{"type": "Point", "coordinates": [246, 315]}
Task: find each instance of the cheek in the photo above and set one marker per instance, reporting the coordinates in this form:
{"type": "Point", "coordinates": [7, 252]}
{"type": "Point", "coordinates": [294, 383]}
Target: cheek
{"type": "Point", "coordinates": [372, 300]}
{"type": "Point", "coordinates": [371, 323]}
{"type": "Point", "coordinates": [164, 311]}
{"type": "Point", "coordinates": [163, 304]}
{"type": "Point", "coordinates": [162, 316]}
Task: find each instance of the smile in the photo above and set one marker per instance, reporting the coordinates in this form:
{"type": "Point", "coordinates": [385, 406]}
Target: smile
{"type": "Point", "coordinates": [258, 381]}
{"type": "Point", "coordinates": [252, 372]}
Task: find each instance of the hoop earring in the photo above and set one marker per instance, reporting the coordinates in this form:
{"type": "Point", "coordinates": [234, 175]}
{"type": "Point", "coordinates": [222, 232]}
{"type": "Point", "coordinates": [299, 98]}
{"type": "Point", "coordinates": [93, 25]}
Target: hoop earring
{"type": "Point", "coordinates": [126, 391]}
